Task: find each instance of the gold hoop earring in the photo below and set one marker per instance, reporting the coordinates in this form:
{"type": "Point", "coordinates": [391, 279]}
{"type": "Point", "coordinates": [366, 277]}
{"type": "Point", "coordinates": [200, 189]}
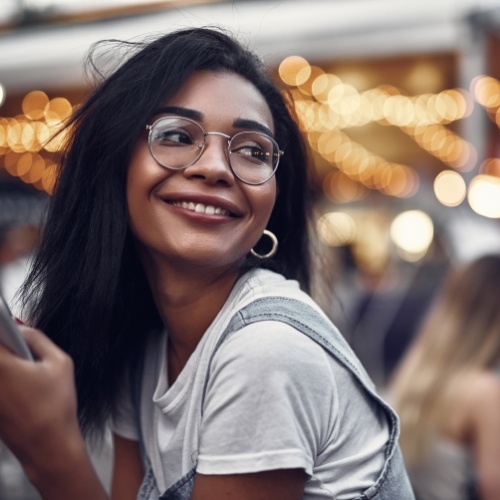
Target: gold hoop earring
{"type": "Point", "coordinates": [271, 252]}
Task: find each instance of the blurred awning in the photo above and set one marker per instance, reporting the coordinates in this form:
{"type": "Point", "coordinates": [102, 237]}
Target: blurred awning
{"type": "Point", "coordinates": [51, 55]}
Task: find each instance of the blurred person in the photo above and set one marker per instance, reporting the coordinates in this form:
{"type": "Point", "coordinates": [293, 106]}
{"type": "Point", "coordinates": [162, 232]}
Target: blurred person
{"type": "Point", "coordinates": [447, 389]}
{"type": "Point", "coordinates": [221, 375]}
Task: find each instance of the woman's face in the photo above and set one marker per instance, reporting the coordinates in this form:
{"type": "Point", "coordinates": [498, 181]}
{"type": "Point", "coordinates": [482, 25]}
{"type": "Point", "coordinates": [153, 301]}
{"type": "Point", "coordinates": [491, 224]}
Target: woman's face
{"type": "Point", "coordinates": [170, 212]}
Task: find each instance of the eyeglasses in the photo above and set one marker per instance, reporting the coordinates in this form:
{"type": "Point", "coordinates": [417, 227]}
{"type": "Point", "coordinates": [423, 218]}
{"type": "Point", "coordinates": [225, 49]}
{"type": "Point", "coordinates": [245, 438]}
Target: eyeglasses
{"type": "Point", "coordinates": [176, 143]}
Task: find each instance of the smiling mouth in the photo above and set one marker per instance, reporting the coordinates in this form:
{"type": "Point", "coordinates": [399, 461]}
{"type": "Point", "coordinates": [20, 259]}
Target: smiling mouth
{"type": "Point", "coordinates": [201, 208]}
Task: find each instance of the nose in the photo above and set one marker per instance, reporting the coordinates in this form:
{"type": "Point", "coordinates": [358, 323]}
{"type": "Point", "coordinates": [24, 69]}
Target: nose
{"type": "Point", "coordinates": [213, 164]}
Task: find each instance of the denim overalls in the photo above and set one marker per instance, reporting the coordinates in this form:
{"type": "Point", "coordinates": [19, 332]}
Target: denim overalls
{"type": "Point", "coordinates": [392, 484]}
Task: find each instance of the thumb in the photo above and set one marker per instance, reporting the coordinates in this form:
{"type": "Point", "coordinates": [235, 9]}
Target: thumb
{"type": "Point", "coordinates": [41, 346]}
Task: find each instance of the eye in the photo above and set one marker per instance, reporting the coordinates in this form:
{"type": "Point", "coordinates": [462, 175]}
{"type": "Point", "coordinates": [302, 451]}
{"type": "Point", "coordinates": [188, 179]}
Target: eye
{"type": "Point", "coordinates": [253, 149]}
{"type": "Point", "coordinates": [172, 137]}
{"type": "Point", "coordinates": [252, 152]}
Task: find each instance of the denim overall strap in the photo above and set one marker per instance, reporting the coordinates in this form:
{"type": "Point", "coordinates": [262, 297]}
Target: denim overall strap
{"type": "Point", "coordinates": [393, 482]}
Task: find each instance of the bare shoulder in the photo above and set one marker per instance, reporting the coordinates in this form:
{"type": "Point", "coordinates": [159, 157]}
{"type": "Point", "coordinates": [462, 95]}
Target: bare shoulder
{"type": "Point", "coordinates": [484, 437]}
{"type": "Point", "coordinates": [481, 396]}
{"type": "Point", "coordinates": [482, 386]}
{"type": "Point", "coordinates": [475, 406]}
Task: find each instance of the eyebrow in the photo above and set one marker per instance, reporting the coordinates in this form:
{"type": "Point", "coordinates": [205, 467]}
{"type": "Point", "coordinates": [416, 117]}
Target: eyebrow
{"type": "Point", "coordinates": [240, 123]}
{"type": "Point", "coordinates": [252, 125]}
{"type": "Point", "coordinates": [185, 112]}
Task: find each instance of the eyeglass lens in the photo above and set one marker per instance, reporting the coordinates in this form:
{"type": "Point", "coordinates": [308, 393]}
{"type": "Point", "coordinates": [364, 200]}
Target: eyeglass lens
{"type": "Point", "coordinates": [177, 143]}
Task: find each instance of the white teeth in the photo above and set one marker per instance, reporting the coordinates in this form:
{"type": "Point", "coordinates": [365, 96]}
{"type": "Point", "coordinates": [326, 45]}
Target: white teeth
{"type": "Point", "coordinates": [200, 208]}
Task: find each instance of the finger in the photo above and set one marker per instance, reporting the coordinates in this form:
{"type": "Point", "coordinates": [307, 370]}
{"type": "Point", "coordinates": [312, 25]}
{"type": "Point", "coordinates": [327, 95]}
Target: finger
{"type": "Point", "coordinates": [4, 350]}
{"type": "Point", "coordinates": [7, 355]}
{"type": "Point", "coordinates": [41, 346]}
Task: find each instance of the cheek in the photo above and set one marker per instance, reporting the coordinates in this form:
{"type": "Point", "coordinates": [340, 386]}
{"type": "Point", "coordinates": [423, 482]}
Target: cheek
{"type": "Point", "coordinates": [143, 173]}
{"type": "Point", "coordinates": [141, 178]}
{"type": "Point", "coordinates": [268, 201]}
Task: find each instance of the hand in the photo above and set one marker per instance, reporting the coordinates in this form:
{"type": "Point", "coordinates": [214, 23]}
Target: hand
{"type": "Point", "coordinates": [38, 417]}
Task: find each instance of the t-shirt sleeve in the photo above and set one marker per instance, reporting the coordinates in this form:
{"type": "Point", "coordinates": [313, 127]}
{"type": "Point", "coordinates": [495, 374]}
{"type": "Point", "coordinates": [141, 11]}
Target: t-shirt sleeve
{"type": "Point", "coordinates": [268, 404]}
{"type": "Point", "coordinates": [123, 421]}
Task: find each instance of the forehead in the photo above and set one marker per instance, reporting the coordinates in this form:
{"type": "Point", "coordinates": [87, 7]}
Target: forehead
{"type": "Point", "coordinates": [222, 98]}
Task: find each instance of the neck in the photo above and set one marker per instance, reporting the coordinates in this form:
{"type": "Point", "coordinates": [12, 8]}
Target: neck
{"type": "Point", "coordinates": [188, 300]}
{"type": "Point", "coordinates": [187, 307]}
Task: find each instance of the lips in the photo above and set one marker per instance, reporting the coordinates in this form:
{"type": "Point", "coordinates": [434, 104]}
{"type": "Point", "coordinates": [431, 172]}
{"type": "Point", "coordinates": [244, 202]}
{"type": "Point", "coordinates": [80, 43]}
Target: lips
{"type": "Point", "coordinates": [201, 208]}
{"type": "Point", "coordinates": [203, 203]}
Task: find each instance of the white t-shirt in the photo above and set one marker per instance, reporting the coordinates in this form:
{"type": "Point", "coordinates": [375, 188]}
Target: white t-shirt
{"type": "Point", "coordinates": [275, 399]}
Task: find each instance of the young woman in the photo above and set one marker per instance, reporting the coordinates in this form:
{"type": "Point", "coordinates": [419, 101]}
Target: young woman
{"type": "Point", "coordinates": [447, 390]}
{"type": "Point", "coordinates": [169, 273]}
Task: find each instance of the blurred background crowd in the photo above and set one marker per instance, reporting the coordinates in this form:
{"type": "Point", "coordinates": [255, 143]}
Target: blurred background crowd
{"type": "Point", "coordinates": [399, 102]}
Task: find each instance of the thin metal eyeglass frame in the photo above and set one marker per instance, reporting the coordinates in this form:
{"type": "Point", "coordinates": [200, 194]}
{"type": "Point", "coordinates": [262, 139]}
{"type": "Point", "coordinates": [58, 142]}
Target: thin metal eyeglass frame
{"type": "Point", "coordinates": [201, 146]}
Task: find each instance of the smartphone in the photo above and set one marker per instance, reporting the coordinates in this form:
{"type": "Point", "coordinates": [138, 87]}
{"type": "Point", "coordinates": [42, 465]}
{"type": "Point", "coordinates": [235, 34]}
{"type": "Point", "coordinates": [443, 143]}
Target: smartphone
{"type": "Point", "coordinates": [10, 335]}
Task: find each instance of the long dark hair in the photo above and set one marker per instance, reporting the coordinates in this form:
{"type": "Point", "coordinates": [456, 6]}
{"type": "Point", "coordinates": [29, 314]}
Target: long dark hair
{"type": "Point", "coordinates": [86, 289]}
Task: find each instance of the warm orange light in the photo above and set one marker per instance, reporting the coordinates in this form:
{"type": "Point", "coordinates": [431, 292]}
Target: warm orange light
{"type": "Point", "coordinates": [484, 196]}
{"type": "Point", "coordinates": [491, 166]}
{"type": "Point", "coordinates": [49, 178]}
{"type": "Point", "coordinates": [57, 111]}
{"type": "Point", "coordinates": [305, 88]}
{"type": "Point", "coordinates": [486, 91]}
{"type": "Point", "coordinates": [339, 187]}
{"type": "Point", "coordinates": [450, 188]}
{"type": "Point", "coordinates": [336, 229]}
{"type": "Point", "coordinates": [34, 103]}
{"type": "Point", "coordinates": [294, 70]}
{"type": "Point", "coordinates": [37, 169]}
